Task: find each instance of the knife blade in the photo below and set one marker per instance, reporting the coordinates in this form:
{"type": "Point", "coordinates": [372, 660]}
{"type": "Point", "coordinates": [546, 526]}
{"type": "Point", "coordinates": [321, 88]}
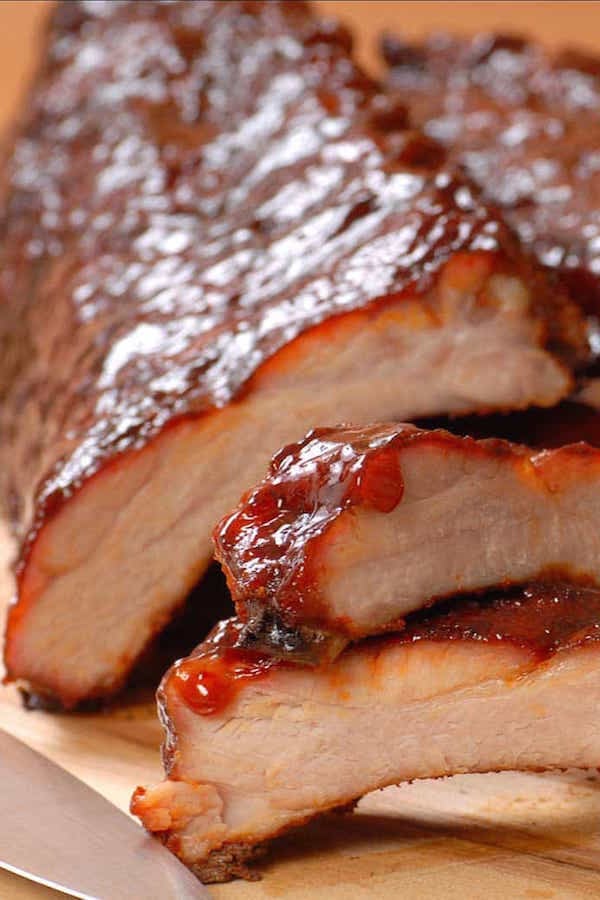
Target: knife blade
{"type": "Point", "coordinates": [56, 830]}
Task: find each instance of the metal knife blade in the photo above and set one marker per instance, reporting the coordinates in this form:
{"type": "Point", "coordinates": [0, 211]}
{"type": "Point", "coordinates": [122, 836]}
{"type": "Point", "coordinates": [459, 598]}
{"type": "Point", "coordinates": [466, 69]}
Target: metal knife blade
{"type": "Point", "coordinates": [56, 830]}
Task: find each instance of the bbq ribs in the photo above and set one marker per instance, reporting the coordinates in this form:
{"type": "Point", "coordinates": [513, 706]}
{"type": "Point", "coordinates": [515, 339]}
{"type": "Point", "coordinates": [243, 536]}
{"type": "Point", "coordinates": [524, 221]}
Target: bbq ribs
{"type": "Point", "coordinates": [217, 233]}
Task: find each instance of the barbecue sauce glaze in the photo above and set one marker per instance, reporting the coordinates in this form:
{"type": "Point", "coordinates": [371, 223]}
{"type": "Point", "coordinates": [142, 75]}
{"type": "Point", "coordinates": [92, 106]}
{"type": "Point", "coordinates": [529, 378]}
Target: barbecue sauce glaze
{"type": "Point", "coordinates": [525, 123]}
{"type": "Point", "coordinates": [271, 545]}
{"type": "Point", "coordinates": [542, 618]}
{"type": "Point", "coordinates": [265, 544]}
{"type": "Point", "coordinates": [195, 186]}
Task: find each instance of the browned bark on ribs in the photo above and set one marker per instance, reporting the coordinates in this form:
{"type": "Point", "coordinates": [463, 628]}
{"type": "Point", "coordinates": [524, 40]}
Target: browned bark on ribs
{"type": "Point", "coordinates": [216, 234]}
{"type": "Point", "coordinates": [526, 125]}
{"type": "Point", "coordinates": [354, 528]}
{"type": "Point", "coordinates": [255, 747]}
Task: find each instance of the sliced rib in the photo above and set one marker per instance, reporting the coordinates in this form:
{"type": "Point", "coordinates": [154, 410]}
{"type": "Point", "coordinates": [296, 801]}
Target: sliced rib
{"type": "Point", "coordinates": [526, 125]}
{"type": "Point", "coordinates": [254, 747]}
{"type": "Point", "coordinates": [215, 236]}
{"type": "Point", "coordinates": [354, 528]}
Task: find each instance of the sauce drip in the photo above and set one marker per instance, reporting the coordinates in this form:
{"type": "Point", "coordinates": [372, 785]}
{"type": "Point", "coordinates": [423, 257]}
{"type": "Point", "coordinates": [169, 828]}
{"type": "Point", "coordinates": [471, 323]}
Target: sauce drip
{"type": "Point", "coordinates": [210, 679]}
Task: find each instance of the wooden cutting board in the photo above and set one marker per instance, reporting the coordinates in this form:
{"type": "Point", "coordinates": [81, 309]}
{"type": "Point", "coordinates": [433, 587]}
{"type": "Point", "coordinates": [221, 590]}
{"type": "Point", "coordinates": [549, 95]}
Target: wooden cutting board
{"type": "Point", "coordinates": [495, 836]}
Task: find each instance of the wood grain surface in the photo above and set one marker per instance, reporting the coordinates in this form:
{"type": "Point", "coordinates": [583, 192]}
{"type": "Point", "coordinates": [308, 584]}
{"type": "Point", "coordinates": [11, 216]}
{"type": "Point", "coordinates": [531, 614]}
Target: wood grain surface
{"type": "Point", "coordinates": [494, 836]}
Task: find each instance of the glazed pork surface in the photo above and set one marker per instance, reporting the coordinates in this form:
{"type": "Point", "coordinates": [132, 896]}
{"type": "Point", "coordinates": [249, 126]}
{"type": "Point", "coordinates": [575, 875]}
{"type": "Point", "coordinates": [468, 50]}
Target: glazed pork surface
{"type": "Point", "coordinates": [216, 233]}
{"type": "Point", "coordinates": [353, 528]}
{"type": "Point", "coordinates": [254, 746]}
{"type": "Point", "coordinates": [525, 123]}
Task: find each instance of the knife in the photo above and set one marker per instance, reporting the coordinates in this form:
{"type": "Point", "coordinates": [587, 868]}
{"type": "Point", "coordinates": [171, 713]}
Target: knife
{"type": "Point", "coordinates": [56, 830]}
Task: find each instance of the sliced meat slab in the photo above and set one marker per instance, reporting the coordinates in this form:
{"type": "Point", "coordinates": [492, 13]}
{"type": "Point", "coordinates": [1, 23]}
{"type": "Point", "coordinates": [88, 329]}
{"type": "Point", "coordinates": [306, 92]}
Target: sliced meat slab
{"type": "Point", "coordinates": [216, 233]}
{"type": "Point", "coordinates": [254, 746]}
{"type": "Point", "coordinates": [354, 528]}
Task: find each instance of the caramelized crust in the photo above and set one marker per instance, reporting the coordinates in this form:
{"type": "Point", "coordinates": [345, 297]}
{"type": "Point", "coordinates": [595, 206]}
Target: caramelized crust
{"type": "Point", "coordinates": [543, 618]}
{"type": "Point", "coordinates": [269, 544]}
{"type": "Point", "coordinates": [154, 200]}
{"type": "Point", "coordinates": [526, 125]}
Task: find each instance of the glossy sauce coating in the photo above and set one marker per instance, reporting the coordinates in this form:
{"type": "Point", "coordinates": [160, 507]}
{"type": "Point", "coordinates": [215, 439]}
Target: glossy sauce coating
{"type": "Point", "coordinates": [270, 545]}
{"type": "Point", "coordinates": [266, 545]}
{"type": "Point", "coordinates": [543, 618]}
{"type": "Point", "coordinates": [526, 125]}
{"type": "Point", "coordinates": [194, 186]}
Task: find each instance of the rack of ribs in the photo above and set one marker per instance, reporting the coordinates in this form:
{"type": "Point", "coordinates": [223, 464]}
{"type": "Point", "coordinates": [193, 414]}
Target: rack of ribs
{"type": "Point", "coordinates": [217, 233]}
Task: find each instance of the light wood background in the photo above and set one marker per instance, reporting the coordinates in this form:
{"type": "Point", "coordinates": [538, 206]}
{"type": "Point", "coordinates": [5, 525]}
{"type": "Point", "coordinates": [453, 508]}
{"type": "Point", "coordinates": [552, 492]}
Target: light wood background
{"type": "Point", "coordinates": [497, 836]}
